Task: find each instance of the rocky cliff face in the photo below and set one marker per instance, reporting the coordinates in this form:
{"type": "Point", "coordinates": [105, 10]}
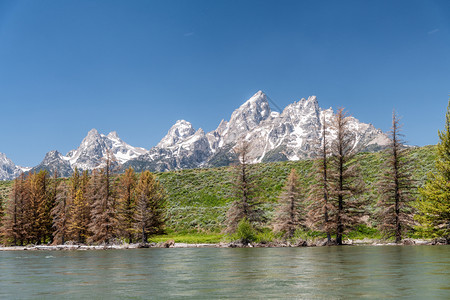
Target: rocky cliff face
{"type": "Point", "coordinates": [288, 135]}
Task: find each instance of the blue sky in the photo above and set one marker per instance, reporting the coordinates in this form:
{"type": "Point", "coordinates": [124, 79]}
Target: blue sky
{"type": "Point", "coordinates": [138, 66]}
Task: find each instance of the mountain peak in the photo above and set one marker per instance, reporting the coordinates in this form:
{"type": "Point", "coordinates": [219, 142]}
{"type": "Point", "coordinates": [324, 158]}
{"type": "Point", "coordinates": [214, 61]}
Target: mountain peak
{"type": "Point", "coordinates": [113, 135]}
{"type": "Point", "coordinates": [249, 115]}
{"type": "Point", "coordinates": [53, 153]}
{"type": "Point", "coordinates": [93, 131]}
{"type": "Point", "coordinates": [258, 98]}
{"type": "Point", "coordinates": [179, 131]}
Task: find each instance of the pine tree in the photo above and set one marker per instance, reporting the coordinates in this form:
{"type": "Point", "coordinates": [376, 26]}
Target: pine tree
{"type": "Point", "coordinates": [51, 203]}
{"type": "Point", "coordinates": [77, 205]}
{"type": "Point", "coordinates": [104, 223]}
{"type": "Point", "coordinates": [60, 213]}
{"type": "Point", "coordinates": [150, 205]}
{"type": "Point", "coordinates": [434, 205]}
{"type": "Point", "coordinates": [346, 184]}
{"type": "Point", "coordinates": [320, 208]}
{"type": "Point", "coordinates": [127, 203]}
{"type": "Point", "coordinates": [37, 209]}
{"type": "Point", "coordinates": [396, 187]}
{"type": "Point", "coordinates": [246, 203]}
{"type": "Point", "coordinates": [290, 213]}
{"type": "Point", "coordinates": [14, 222]}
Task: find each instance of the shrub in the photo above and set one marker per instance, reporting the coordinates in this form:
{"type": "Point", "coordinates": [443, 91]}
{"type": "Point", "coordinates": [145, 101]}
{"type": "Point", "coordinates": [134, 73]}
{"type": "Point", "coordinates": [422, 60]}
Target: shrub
{"type": "Point", "coordinates": [245, 232]}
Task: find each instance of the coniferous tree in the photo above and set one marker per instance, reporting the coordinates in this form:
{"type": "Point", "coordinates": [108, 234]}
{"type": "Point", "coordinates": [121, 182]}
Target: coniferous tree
{"type": "Point", "coordinates": [246, 203]}
{"type": "Point", "coordinates": [104, 223]}
{"type": "Point", "coordinates": [14, 223]}
{"type": "Point", "coordinates": [396, 187]}
{"type": "Point", "coordinates": [346, 184]}
{"type": "Point", "coordinates": [51, 202]}
{"type": "Point", "coordinates": [320, 208]}
{"type": "Point", "coordinates": [79, 214]}
{"type": "Point", "coordinates": [290, 214]}
{"type": "Point", "coordinates": [127, 203]}
{"type": "Point", "coordinates": [60, 214]}
{"type": "Point", "coordinates": [37, 208]}
{"type": "Point", "coordinates": [434, 205]}
{"type": "Point", "coordinates": [150, 204]}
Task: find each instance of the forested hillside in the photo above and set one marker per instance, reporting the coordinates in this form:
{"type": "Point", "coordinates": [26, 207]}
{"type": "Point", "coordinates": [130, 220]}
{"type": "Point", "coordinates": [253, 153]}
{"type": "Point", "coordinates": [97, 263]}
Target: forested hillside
{"type": "Point", "coordinates": [198, 199]}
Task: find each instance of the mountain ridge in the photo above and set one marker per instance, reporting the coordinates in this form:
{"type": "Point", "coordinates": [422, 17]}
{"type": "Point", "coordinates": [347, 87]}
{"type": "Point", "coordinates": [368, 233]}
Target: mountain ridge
{"type": "Point", "coordinates": [275, 136]}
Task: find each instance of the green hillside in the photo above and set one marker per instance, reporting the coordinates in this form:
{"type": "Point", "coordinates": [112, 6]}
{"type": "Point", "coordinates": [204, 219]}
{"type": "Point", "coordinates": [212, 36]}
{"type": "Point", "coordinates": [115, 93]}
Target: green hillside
{"type": "Point", "coordinates": [199, 198]}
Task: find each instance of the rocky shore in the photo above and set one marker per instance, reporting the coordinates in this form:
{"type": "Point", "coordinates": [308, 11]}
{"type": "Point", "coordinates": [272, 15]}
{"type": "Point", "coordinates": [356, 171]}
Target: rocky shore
{"type": "Point", "coordinates": [279, 244]}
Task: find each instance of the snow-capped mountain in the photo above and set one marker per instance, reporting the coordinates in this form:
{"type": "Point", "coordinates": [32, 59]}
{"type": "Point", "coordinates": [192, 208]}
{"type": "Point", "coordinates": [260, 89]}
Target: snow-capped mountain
{"type": "Point", "coordinates": [274, 136]}
{"type": "Point", "coordinates": [89, 155]}
{"type": "Point", "coordinates": [183, 147]}
{"type": "Point", "coordinates": [8, 170]}
{"type": "Point", "coordinates": [289, 135]}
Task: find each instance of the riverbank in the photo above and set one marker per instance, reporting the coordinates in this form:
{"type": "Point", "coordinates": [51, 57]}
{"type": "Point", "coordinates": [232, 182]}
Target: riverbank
{"type": "Point", "coordinates": [172, 244]}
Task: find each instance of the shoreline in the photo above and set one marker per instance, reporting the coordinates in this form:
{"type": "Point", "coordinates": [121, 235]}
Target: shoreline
{"type": "Point", "coordinates": [172, 244]}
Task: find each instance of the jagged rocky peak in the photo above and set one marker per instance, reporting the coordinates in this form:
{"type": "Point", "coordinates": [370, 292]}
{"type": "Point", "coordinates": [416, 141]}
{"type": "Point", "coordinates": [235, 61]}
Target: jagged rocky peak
{"type": "Point", "coordinates": [54, 161]}
{"type": "Point", "coordinates": [179, 131]}
{"type": "Point", "coordinates": [246, 118]}
{"type": "Point", "coordinates": [52, 155]}
{"type": "Point", "coordinates": [113, 135]}
{"type": "Point", "coordinates": [303, 107]}
{"type": "Point", "coordinates": [89, 155]}
{"type": "Point", "coordinates": [252, 112]}
{"type": "Point", "coordinates": [93, 133]}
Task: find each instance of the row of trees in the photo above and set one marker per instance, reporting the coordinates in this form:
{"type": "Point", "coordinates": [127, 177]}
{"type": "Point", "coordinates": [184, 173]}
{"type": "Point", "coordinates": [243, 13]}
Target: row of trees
{"type": "Point", "coordinates": [99, 207]}
{"type": "Point", "coordinates": [86, 208]}
{"type": "Point", "coordinates": [334, 203]}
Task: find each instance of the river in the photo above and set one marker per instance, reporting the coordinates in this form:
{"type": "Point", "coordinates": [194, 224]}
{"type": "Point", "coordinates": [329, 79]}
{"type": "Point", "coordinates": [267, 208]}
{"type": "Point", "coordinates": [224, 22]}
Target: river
{"type": "Point", "coordinates": [413, 272]}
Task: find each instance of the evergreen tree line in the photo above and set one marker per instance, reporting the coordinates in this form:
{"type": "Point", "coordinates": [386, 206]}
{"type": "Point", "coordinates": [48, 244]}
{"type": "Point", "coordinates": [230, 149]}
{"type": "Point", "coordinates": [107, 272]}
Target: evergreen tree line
{"type": "Point", "coordinates": [95, 208]}
{"type": "Point", "coordinates": [334, 204]}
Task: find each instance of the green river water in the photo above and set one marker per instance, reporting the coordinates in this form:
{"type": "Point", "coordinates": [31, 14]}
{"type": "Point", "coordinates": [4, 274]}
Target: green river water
{"type": "Point", "coordinates": [412, 272]}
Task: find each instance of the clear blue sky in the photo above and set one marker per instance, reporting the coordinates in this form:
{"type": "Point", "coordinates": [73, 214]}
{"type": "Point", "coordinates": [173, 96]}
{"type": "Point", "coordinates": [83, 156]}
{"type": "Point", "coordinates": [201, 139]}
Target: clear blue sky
{"type": "Point", "coordinates": [138, 66]}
